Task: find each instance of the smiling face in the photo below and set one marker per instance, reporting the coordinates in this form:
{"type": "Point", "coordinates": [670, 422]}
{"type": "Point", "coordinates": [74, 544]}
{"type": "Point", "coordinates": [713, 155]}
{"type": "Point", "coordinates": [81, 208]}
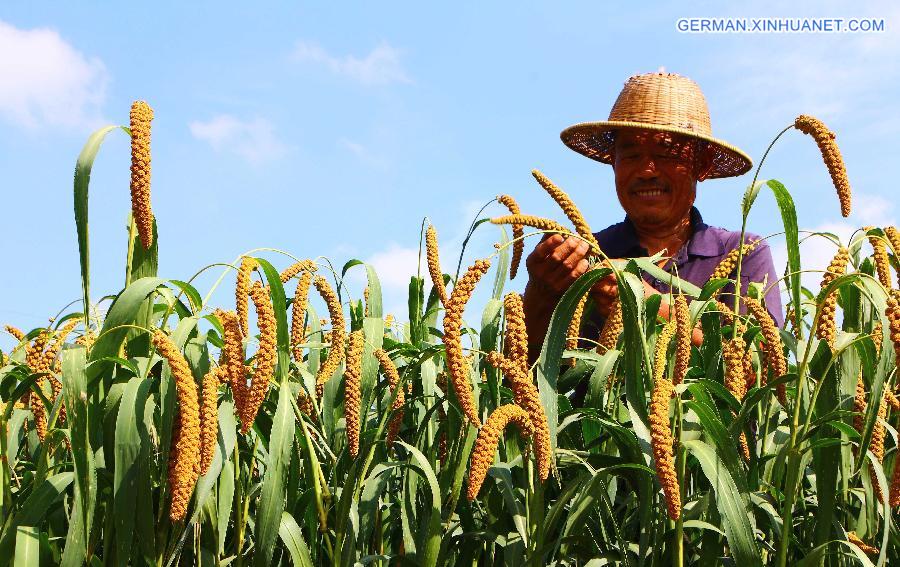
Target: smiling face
{"type": "Point", "coordinates": [656, 176]}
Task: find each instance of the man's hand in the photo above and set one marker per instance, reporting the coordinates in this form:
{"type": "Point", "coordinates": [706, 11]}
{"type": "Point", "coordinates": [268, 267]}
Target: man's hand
{"type": "Point", "coordinates": [556, 262]}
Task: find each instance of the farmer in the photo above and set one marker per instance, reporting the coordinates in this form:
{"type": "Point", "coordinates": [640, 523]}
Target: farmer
{"type": "Point", "coordinates": [659, 142]}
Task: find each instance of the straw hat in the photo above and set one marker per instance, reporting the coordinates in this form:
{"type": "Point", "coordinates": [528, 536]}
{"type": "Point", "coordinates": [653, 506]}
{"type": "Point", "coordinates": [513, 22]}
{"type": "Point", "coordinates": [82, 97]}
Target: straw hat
{"type": "Point", "coordinates": [659, 101]}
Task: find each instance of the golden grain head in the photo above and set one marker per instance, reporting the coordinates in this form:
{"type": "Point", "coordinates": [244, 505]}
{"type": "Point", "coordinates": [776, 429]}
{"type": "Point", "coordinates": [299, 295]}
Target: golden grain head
{"type": "Point", "coordinates": [486, 443]}
{"type": "Point", "coordinates": [539, 223]}
{"type": "Point", "coordinates": [352, 375]}
{"type": "Point", "coordinates": [612, 329]}
{"type": "Point", "coordinates": [298, 313]}
{"type": "Point", "coordinates": [241, 291]}
{"type": "Point", "coordinates": [305, 266]}
{"type": "Point", "coordinates": [568, 206]}
{"type": "Point", "coordinates": [729, 263]}
{"type": "Point", "coordinates": [662, 348]}
{"type": "Point", "coordinates": [683, 332]}
{"type": "Point", "coordinates": [518, 234]}
{"type": "Point", "coordinates": [456, 362]}
{"type": "Point", "coordinates": [184, 466]}
{"type": "Point", "coordinates": [337, 335]}
{"type": "Point", "coordinates": [209, 417]}
{"type": "Point", "coordinates": [266, 355]}
{"type": "Point", "coordinates": [880, 258]}
{"type": "Point", "coordinates": [434, 263]}
{"type": "Point", "coordinates": [661, 442]}
{"type": "Point", "coordinates": [826, 329]}
{"type": "Point", "coordinates": [774, 349]}
{"type": "Point", "coordinates": [141, 116]}
{"type": "Point", "coordinates": [831, 155]}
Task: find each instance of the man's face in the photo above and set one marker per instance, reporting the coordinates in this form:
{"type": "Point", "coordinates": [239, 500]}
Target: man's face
{"type": "Point", "coordinates": [656, 176]}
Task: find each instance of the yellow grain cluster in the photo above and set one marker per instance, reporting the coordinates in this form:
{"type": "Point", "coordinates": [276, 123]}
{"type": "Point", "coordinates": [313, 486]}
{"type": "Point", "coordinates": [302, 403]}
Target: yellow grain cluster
{"type": "Point", "coordinates": [298, 313]}
{"type": "Point", "coordinates": [773, 349]}
{"type": "Point", "coordinates": [488, 437]}
{"type": "Point", "coordinates": [434, 263]}
{"type": "Point", "coordinates": [574, 330]}
{"type": "Point", "coordinates": [209, 416]}
{"type": "Point", "coordinates": [831, 155]}
{"type": "Point", "coordinates": [241, 290]}
{"type": "Point", "coordinates": [612, 329]}
{"type": "Point", "coordinates": [734, 358]}
{"type": "Point", "coordinates": [15, 332]}
{"type": "Point", "coordinates": [184, 461]}
{"type": "Point", "coordinates": [683, 331]}
{"type": "Point", "coordinates": [141, 116]}
{"type": "Point", "coordinates": [826, 329]}
{"type": "Point", "coordinates": [456, 362]}
{"type": "Point", "coordinates": [892, 312]}
{"type": "Point", "coordinates": [518, 231]}
{"type": "Point", "coordinates": [880, 258]}
{"type": "Point", "coordinates": [337, 335]}
{"type": "Point", "coordinates": [533, 221]}
{"type": "Point", "coordinates": [893, 237]}
{"type": "Point", "coordinates": [296, 268]}
{"type": "Point", "coordinates": [863, 546]}
{"type": "Point", "coordinates": [514, 366]}
{"type": "Point", "coordinates": [662, 441]}
{"type": "Point", "coordinates": [878, 337]}
{"type": "Point", "coordinates": [728, 264]}
{"type": "Point", "coordinates": [232, 358]}
{"type": "Point", "coordinates": [266, 355]}
{"type": "Point", "coordinates": [877, 444]}
{"type": "Point", "coordinates": [568, 206]}
{"type": "Point", "coordinates": [661, 350]}
{"type": "Point", "coordinates": [390, 371]}
{"type": "Point", "coordinates": [34, 359]}
{"type": "Point", "coordinates": [352, 374]}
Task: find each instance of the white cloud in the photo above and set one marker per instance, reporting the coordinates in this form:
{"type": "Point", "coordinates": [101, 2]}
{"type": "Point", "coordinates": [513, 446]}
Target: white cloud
{"type": "Point", "coordinates": [254, 140]}
{"type": "Point", "coordinates": [363, 153]}
{"type": "Point", "coordinates": [381, 66]}
{"type": "Point", "coordinates": [45, 82]}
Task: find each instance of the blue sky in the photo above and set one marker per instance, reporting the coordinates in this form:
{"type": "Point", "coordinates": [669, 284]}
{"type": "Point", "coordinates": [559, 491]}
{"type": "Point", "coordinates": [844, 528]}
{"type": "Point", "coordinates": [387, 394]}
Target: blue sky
{"type": "Point", "coordinates": [334, 129]}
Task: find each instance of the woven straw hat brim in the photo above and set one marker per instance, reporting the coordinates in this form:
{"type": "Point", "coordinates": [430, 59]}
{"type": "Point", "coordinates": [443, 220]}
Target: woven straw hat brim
{"type": "Point", "coordinates": [596, 140]}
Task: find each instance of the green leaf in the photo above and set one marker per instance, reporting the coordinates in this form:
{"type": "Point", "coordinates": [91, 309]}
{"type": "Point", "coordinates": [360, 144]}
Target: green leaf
{"type": "Point", "coordinates": [738, 530]}
{"type": "Point", "coordinates": [82, 181]}
{"type": "Point", "coordinates": [554, 343]}
{"type": "Point", "coordinates": [27, 547]}
{"type": "Point", "coordinates": [128, 451]}
{"type": "Point", "coordinates": [272, 494]}
{"type": "Point", "coordinates": [292, 536]}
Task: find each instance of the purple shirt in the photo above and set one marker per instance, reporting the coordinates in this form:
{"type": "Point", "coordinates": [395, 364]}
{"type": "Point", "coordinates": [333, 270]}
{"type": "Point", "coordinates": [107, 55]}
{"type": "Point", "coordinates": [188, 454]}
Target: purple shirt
{"type": "Point", "coordinates": [697, 259]}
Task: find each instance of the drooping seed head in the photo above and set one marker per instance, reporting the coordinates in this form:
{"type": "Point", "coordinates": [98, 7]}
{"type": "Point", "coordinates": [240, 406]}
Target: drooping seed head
{"type": "Point", "coordinates": [539, 223]}
{"type": "Point", "coordinates": [518, 232]}
{"type": "Point", "coordinates": [568, 206]}
{"type": "Point", "coordinates": [337, 335]}
{"type": "Point", "coordinates": [209, 417]}
{"type": "Point", "coordinates": [298, 313]}
{"type": "Point", "coordinates": [390, 371]}
{"type": "Point", "coordinates": [826, 329]}
{"type": "Point", "coordinates": [184, 467]}
{"type": "Point", "coordinates": [831, 155]}
{"type": "Point", "coordinates": [434, 263]}
{"type": "Point", "coordinates": [266, 355]}
{"type": "Point", "coordinates": [456, 362]}
{"type": "Point", "coordinates": [612, 329]}
{"type": "Point", "coordinates": [488, 438]}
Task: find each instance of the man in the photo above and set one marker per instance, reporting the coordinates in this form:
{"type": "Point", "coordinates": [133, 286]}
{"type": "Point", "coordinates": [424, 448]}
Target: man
{"type": "Point", "coordinates": [659, 142]}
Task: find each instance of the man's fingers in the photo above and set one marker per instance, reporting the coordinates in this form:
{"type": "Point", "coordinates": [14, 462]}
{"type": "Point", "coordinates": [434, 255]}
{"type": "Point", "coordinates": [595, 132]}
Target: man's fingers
{"type": "Point", "coordinates": [562, 252]}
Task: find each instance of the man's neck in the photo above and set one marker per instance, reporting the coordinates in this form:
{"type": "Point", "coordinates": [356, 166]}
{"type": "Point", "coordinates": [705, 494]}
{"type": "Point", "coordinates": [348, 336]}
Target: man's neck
{"type": "Point", "coordinates": [669, 238]}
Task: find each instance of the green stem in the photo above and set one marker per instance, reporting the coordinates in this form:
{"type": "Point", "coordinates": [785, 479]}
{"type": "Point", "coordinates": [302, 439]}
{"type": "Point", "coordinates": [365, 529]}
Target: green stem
{"type": "Point", "coordinates": [132, 230]}
{"type": "Point", "coordinates": [680, 472]}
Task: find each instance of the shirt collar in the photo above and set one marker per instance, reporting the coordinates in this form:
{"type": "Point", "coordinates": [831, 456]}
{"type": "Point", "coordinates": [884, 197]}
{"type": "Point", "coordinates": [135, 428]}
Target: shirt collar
{"type": "Point", "coordinates": [623, 242]}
